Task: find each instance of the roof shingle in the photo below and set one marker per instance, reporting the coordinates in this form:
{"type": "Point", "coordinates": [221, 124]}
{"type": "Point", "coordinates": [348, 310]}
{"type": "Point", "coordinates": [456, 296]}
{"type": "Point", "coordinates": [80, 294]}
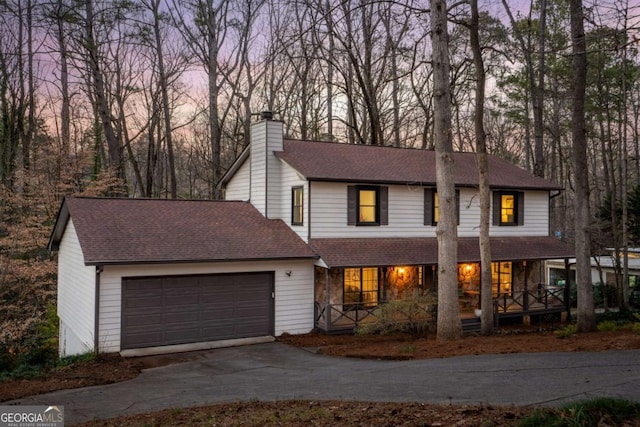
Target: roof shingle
{"type": "Point", "coordinates": [122, 231]}
{"type": "Point", "coordinates": [326, 161]}
{"type": "Point", "coordinates": [369, 252]}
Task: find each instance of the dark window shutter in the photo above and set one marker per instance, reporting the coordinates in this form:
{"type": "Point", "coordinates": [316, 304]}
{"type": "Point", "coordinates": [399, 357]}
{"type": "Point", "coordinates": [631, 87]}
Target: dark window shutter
{"type": "Point", "coordinates": [428, 206]}
{"type": "Point", "coordinates": [496, 207]}
{"type": "Point", "coordinates": [352, 205]}
{"type": "Point", "coordinates": [384, 205]}
{"type": "Point", "coordinates": [521, 208]}
{"type": "Point", "coordinates": [458, 206]}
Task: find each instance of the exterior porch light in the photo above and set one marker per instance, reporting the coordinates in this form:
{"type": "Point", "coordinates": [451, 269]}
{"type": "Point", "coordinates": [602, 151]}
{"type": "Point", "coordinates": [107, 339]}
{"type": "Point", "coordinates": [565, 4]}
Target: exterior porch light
{"type": "Point", "coordinates": [401, 272]}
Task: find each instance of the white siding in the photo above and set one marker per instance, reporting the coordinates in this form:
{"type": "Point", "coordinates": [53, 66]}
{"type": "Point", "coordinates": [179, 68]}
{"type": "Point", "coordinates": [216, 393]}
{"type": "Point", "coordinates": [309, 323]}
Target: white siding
{"type": "Point", "coordinates": [329, 213]}
{"type": "Point", "coordinates": [274, 170]}
{"type": "Point", "coordinates": [294, 294]}
{"type": "Point", "coordinates": [76, 296]}
{"type": "Point", "coordinates": [536, 217]}
{"type": "Point", "coordinates": [266, 137]}
{"type": "Point", "coordinates": [290, 179]}
{"type": "Point", "coordinates": [258, 159]}
{"type": "Point", "coordinates": [239, 187]}
{"type": "Point", "coordinates": [406, 214]}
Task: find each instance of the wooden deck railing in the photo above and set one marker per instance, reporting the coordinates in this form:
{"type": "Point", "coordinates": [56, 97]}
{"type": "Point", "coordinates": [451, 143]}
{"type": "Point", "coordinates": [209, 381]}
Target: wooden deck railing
{"type": "Point", "coordinates": [531, 300]}
{"type": "Point", "coordinates": [340, 317]}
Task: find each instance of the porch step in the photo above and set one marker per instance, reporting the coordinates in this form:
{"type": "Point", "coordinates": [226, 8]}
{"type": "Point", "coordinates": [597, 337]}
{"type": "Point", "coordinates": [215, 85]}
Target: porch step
{"type": "Point", "coordinates": [471, 325]}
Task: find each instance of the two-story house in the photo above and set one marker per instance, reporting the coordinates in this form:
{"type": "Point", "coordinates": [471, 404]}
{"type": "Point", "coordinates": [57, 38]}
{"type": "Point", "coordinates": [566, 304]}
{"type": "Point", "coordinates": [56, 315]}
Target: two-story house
{"type": "Point", "coordinates": [311, 235]}
{"type": "Point", "coordinates": [370, 214]}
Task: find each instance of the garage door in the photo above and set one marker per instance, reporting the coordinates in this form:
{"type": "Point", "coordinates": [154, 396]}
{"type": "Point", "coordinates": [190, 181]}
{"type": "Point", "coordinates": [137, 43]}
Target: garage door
{"type": "Point", "coordinates": [169, 310]}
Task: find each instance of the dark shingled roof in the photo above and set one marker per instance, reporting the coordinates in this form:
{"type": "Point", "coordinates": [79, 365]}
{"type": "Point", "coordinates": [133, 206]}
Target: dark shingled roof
{"type": "Point", "coordinates": [125, 231]}
{"type": "Point", "coordinates": [326, 161]}
{"type": "Point", "coordinates": [369, 252]}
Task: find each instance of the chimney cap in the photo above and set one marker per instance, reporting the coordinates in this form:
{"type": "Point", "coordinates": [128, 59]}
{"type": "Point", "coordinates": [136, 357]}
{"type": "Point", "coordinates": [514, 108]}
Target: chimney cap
{"type": "Point", "coordinates": [266, 115]}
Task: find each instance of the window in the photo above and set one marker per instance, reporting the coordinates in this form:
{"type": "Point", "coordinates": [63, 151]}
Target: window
{"type": "Point", "coordinates": [432, 206]}
{"type": "Point", "coordinates": [367, 205]}
{"type": "Point", "coordinates": [501, 278]}
{"type": "Point", "coordinates": [360, 287]}
{"type": "Point", "coordinates": [508, 208]}
{"type": "Point", "coordinates": [297, 205]}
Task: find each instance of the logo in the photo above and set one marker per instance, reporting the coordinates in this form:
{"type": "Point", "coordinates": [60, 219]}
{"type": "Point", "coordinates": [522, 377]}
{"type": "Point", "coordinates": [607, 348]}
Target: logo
{"type": "Point", "coordinates": [31, 416]}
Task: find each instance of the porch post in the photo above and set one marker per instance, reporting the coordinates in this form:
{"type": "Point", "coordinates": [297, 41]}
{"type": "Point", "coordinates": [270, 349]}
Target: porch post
{"type": "Point", "coordinates": [327, 305]}
{"type": "Point", "coordinates": [567, 288]}
{"type": "Point", "coordinates": [525, 297]}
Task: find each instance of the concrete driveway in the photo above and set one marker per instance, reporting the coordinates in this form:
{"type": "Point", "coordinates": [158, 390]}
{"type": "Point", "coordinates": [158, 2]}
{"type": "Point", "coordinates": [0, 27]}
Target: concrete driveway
{"type": "Point", "coordinates": [275, 371]}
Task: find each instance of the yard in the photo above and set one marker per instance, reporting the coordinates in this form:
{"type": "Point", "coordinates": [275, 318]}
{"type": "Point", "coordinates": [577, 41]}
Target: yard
{"type": "Point", "coordinates": [107, 369]}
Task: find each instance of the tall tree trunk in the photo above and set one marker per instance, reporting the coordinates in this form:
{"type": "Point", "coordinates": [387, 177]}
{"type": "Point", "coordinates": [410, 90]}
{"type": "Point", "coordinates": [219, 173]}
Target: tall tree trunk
{"type": "Point", "coordinates": [166, 108]}
{"type": "Point", "coordinates": [100, 99]}
{"type": "Point", "coordinates": [65, 107]}
{"type": "Point", "coordinates": [486, 297]}
{"type": "Point", "coordinates": [330, 65]}
{"type": "Point", "coordinates": [30, 131]}
{"type": "Point", "coordinates": [537, 92]}
{"type": "Point", "coordinates": [586, 315]}
{"type": "Point", "coordinates": [449, 325]}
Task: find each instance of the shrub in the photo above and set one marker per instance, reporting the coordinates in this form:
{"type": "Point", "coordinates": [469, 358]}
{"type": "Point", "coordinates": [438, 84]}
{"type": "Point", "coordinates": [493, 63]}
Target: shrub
{"type": "Point", "coordinates": [35, 353]}
{"type": "Point", "coordinates": [634, 297]}
{"type": "Point", "coordinates": [413, 314]}
{"type": "Point", "coordinates": [566, 332]}
{"type": "Point", "coordinates": [602, 411]}
{"type": "Point", "coordinates": [608, 326]}
{"type": "Point", "coordinates": [598, 300]}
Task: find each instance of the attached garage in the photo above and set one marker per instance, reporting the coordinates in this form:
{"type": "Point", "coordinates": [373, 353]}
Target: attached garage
{"type": "Point", "coordinates": [144, 276]}
{"type": "Point", "coordinates": [159, 311]}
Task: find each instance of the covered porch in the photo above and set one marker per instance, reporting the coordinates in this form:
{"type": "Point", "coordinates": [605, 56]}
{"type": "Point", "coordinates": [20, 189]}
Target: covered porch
{"type": "Point", "coordinates": [349, 294]}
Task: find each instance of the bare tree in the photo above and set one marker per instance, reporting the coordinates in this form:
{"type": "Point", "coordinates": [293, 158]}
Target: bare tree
{"type": "Point", "coordinates": [99, 91]}
{"type": "Point", "coordinates": [449, 325]}
{"type": "Point", "coordinates": [586, 315]}
{"type": "Point", "coordinates": [536, 89]}
{"type": "Point", "coordinates": [486, 293]}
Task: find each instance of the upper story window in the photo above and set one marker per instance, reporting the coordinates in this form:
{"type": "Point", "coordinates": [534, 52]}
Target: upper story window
{"type": "Point", "coordinates": [432, 206]}
{"type": "Point", "coordinates": [367, 205]}
{"type": "Point", "coordinates": [297, 205]}
{"type": "Point", "coordinates": [508, 208]}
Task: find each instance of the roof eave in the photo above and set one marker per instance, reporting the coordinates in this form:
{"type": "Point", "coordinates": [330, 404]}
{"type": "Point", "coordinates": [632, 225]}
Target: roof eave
{"type": "Point", "coordinates": [195, 261]}
{"type": "Point", "coordinates": [59, 226]}
{"type": "Point", "coordinates": [430, 184]}
{"type": "Point", "coordinates": [234, 167]}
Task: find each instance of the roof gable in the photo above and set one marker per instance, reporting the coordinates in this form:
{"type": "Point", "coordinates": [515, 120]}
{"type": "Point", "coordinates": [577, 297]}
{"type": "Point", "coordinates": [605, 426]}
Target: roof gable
{"type": "Point", "coordinates": [326, 161]}
{"type": "Point", "coordinates": [123, 231]}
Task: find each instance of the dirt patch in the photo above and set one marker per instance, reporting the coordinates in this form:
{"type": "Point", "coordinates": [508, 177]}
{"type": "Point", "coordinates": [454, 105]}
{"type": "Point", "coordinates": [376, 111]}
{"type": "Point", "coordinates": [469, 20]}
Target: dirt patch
{"type": "Point", "coordinates": [506, 341]}
{"type": "Point", "coordinates": [105, 369]}
{"type": "Point", "coordinates": [331, 413]}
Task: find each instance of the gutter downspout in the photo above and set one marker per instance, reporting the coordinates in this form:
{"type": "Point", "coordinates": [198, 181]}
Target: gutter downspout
{"type": "Point", "coordinates": [96, 324]}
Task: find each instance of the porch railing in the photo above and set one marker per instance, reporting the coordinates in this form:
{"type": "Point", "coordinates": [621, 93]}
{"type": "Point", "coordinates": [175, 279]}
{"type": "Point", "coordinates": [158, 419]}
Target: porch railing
{"type": "Point", "coordinates": [336, 317]}
{"type": "Point", "coordinates": [539, 298]}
